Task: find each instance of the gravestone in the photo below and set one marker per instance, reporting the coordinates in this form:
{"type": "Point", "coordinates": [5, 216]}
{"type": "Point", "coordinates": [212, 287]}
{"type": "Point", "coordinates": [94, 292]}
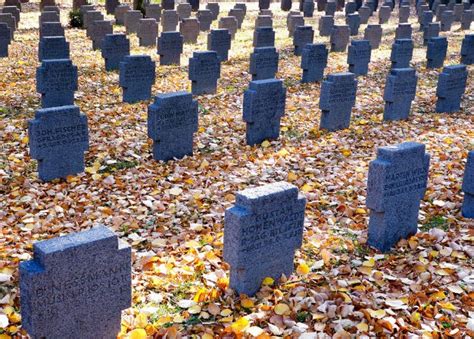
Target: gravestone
{"type": "Point", "coordinates": [340, 5]}
{"type": "Point", "coordinates": [330, 8]}
{"type": "Point", "coordinates": [293, 22]}
{"type": "Point", "coordinates": [169, 20]}
{"type": "Point", "coordinates": [326, 23]}
{"type": "Point", "coordinates": [91, 16]}
{"type": "Point", "coordinates": [5, 39]}
{"type": "Point", "coordinates": [147, 32]}
{"type": "Point", "coordinates": [467, 50]}
{"type": "Point", "coordinates": [172, 122]}
{"type": "Point", "coordinates": [286, 5]}
{"type": "Point", "coordinates": [168, 4]}
{"type": "Point", "coordinates": [170, 47]}
{"type": "Point", "coordinates": [446, 21]}
{"type": "Point", "coordinates": [303, 35]}
{"type": "Point", "coordinates": [439, 11]}
{"type": "Point", "coordinates": [353, 21]}
{"type": "Point", "coordinates": [358, 57]}
{"type": "Point", "coordinates": [308, 8]}
{"type": "Point", "coordinates": [120, 14]}
{"type": "Point", "coordinates": [76, 285]}
{"type": "Point", "coordinates": [263, 108]}
{"type": "Point", "coordinates": [153, 11]}
{"type": "Point", "coordinates": [338, 95]}
{"type": "Point", "coordinates": [52, 9]}
{"type": "Point", "coordinates": [266, 12]}
{"type": "Point", "coordinates": [86, 8]}
{"type": "Point", "coordinates": [58, 139]}
{"type": "Point", "coordinates": [403, 31]}
{"type": "Point", "coordinates": [131, 20]}
{"type": "Point", "coordinates": [396, 183]}
{"type": "Point", "coordinates": [384, 14]}
{"type": "Point", "coordinates": [403, 14]}
{"type": "Point", "coordinates": [194, 5]}
{"type": "Point", "coordinates": [56, 80]}
{"type": "Point", "coordinates": [466, 20]}
{"type": "Point", "coordinates": [400, 91]}
{"type": "Point", "coordinates": [340, 36]}
{"type": "Point", "coordinates": [426, 19]}
{"type": "Point", "coordinates": [184, 10]}
{"type": "Point", "coordinates": [114, 49]}
{"type": "Point", "coordinates": [98, 31]}
{"type": "Point", "coordinates": [313, 62]}
{"type": "Point", "coordinates": [77, 4]}
{"type": "Point", "coordinates": [15, 3]}
{"type": "Point", "coordinates": [451, 87]}
{"type": "Point", "coordinates": [204, 71]}
{"type": "Point", "coordinates": [263, 4]}
{"type": "Point", "coordinates": [9, 19]}
{"type": "Point", "coordinates": [53, 47]}
{"type": "Point", "coordinates": [257, 225]}
{"type": "Point", "coordinates": [214, 8]}
{"type": "Point", "coordinates": [402, 52]}
{"type": "Point", "coordinates": [263, 21]}
{"type": "Point", "coordinates": [14, 11]}
{"type": "Point", "coordinates": [364, 14]}
{"type": "Point", "coordinates": [241, 6]}
{"type": "Point", "coordinates": [430, 31]}
{"type": "Point", "coordinates": [468, 187]}
{"type": "Point", "coordinates": [321, 5]}
{"type": "Point", "coordinates": [457, 12]}
{"type": "Point", "coordinates": [44, 3]}
{"type": "Point", "coordinates": [111, 5]}
{"type": "Point", "coordinates": [264, 37]}
{"type": "Point", "coordinates": [263, 63]}
{"type": "Point", "coordinates": [137, 75]}
{"type": "Point", "coordinates": [219, 40]}
{"type": "Point", "coordinates": [350, 8]}
{"type": "Point", "coordinates": [189, 29]}
{"type": "Point", "coordinates": [205, 19]}
{"type": "Point", "coordinates": [436, 52]}
{"type": "Point", "coordinates": [239, 14]}
{"type": "Point", "coordinates": [230, 23]}
{"type": "Point", "coordinates": [288, 17]}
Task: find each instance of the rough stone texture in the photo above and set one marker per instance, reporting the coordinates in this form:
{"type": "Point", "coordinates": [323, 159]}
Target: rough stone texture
{"type": "Point", "coordinates": [51, 29]}
{"type": "Point", "coordinates": [52, 9]}
{"type": "Point", "coordinates": [56, 80]}
{"type": "Point", "coordinates": [466, 20]}
{"type": "Point", "coordinates": [241, 6]}
{"type": "Point", "coordinates": [115, 48]}
{"type": "Point", "coordinates": [403, 14]}
{"type": "Point", "coordinates": [308, 8]}
{"type": "Point", "coordinates": [169, 20]}
{"type": "Point", "coordinates": [396, 184]}
{"type": "Point", "coordinates": [330, 8]}
{"type": "Point", "coordinates": [5, 39]}
{"type": "Point", "coordinates": [204, 70]}
{"type": "Point", "coordinates": [286, 5]}
{"type": "Point", "coordinates": [230, 23]}
{"type": "Point", "coordinates": [403, 31]}
{"type": "Point", "coordinates": [153, 11]}
{"type": "Point", "coordinates": [439, 11]}
{"type": "Point", "coordinates": [364, 14]}
{"type": "Point", "coordinates": [54, 47]}
{"type": "Point", "coordinates": [14, 11]}
{"type": "Point", "coordinates": [263, 21]}
{"type": "Point", "coordinates": [402, 52]}
{"type": "Point", "coordinates": [189, 28]}
{"type": "Point", "coordinates": [131, 20]}
{"type": "Point", "coordinates": [58, 139]}
{"type": "Point", "coordinates": [303, 35]}
{"type": "Point", "coordinates": [436, 52]}
{"type": "Point", "coordinates": [111, 5]}
{"type": "Point", "coordinates": [451, 87]}
{"type": "Point", "coordinates": [468, 187]}
{"type": "Point", "coordinates": [338, 95]}
{"type": "Point", "coordinates": [170, 47]}
{"type": "Point", "coordinates": [76, 286]}
{"type": "Point", "coordinates": [147, 32]}
{"type": "Point", "coordinates": [314, 60]}
{"type": "Point", "coordinates": [239, 14]}
{"type": "Point", "coordinates": [137, 75]}
{"type": "Point", "coordinates": [262, 231]}
{"type": "Point", "coordinates": [90, 16]}
{"type": "Point", "coordinates": [384, 14]}
{"type": "Point", "coordinates": [353, 21]}
{"type": "Point", "coordinates": [184, 10]}
{"type": "Point", "coordinates": [214, 8]}
{"type": "Point", "coordinates": [358, 57]}
{"type": "Point", "coordinates": [457, 12]}
{"type": "Point", "coordinates": [9, 19]}
{"type": "Point", "coordinates": [263, 4]}
{"type": "Point", "coordinates": [447, 19]}
{"type": "Point", "coordinates": [219, 40]}
{"type": "Point", "coordinates": [350, 8]}
{"type": "Point", "coordinates": [263, 63]}
{"type": "Point", "coordinates": [194, 5]}
{"type": "Point", "coordinates": [340, 36]}
{"type": "Point", "coordinates": [264, 37]}
{"type": "Point", "coordinates": [205, 18]}
{"type": "Point", "coordinates": [325, 25]}
{"type": "Point", "coordinates": [400, 91]}
{"type": "Point", "coordinates": [426, 19]}
{"type": "Point", "coordinates": [430, 31]}
{"type": "Point", "coordinates": [321, 5]}
{"type": "Point", "coordinates": [467, 50]}
{"type": "Point", "coordinates": [172, 122]}
{"type": "Point", "coordinates": [15, 3]}
{"type": "Point", "coordinates": [168, 4]}
{"type": "Point", "coordinates": [98, 30]}
{"type": "Point", "coordinates": [120, 14]}
{"type": "Point", "coordinates": [293, 22]}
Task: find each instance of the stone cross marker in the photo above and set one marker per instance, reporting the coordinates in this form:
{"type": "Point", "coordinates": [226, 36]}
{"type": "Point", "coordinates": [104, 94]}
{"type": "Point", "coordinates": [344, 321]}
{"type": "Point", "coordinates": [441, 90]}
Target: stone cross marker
{"type": "Point", "coordinates": [153, 11]}
{"type": "Point", "coordinates": [263, 219]}
{"type": "Point", "coordinates": [403, 31]}
{"type": "Point", "coordinates": [373, 33]}
{"type": "Point", "coordinates": [330, 8]}
{"type": "Point", "coordinates": [137, 75]}
{"type": "Point", "coordinates": [51, 29]}
{"type": "Point", "coordinates": [436, 52]}
{"type": "Point", "coordinates": [58, 139]}
{"type": "Point", "coordinates": [396, 184]}
{"type": "Point", "coordinates": [214, 8]}
{"type": "Point", "coordinates": [338, 95]}
{"type": "Point", "coordinates": [99, 29]}
{"type": "Point", "coordinates": [308, 8]}
{"type": "Point", "coordinates": [468, 187]}
{"type": "Point", "coordinates": [400, 91]}
{"type": "Point", "coordinates": [131, 20]}
{"type": "Point", "coordinates": [230, 23]}
{"type": "Point", "coordinates": [313, 62]}
{"type": "Point", "coordinates": [451, 87]}
{"type": "Point", "coordinates": [114, 49]}
{"type": "Point", "coordinates": [119, 13]}
{"type": "Point", "coordinates": [402, 52]}
{"type": "Point", "coordinates": [170, 47]}
{"type": "Point", "coordinates": [263, 63]}
{"type": "Point", "coordinates": [264, 37]}
{"type": "Point", "coordinates": [263, 21]}
{"type": "Point", "coordinates": [5, 39]}
{"type": "Point", "coordinates": [430, 31]}
{"type": "Point", "coordinates": [358, 57]}
{"type": "Point", "coordinates": [56, 80]}
{"type": "Point", "coordinates": [241, 6]}
{"type": "Point", "coordinates": [147, 32]}
{"type": "Point", "coordinates": [264, 106]}
{"type": "Point", "coordinates": [204, 70]}
{"type": "Point", "coordinates": [172, 122]}
{"type": "Point", "coordinates": [325, 25]}
{"type": "Point", "coordinates": [340, 36]}
{"type": "Point", "coordinates": [48, 17]}
{"type": "Point", "coordinates": [426, 19]}
{"type": "Point", "coordinates": [169, 20]}
{"type": "Point", "coordinates": [293, 22]}
{"type": "Point", "coordinates": [168, 4]}
{"type": "Point", "coordinates": [219, 40]}
{"type": "Point", "coordinates": [466, 19]}
{"type": "Point", "coordinates": [14, 11]}
{"type": "Point", "coordinates": [384, 14]}
{"type": "Point", "coordinates": [446, 22]}
{"type": "Point", "coordinates": [239, 14]}
{"type": "Point", "coordinates": [353, 21]}
{"type": "Point", "coordinates": [90, 16]}
{"type": "Point", "coordinates": [364, 14]}
{"type": "Point", "coordinates": [54, 47]}
{"type": "Point", "coordinates": [111, 5]}
{"type": "Point", "coordinates": [302, 36]}
{"type": "Point", "coordinates": [76, 286]}
{"type": "Point", "coordinates": [205, 18]}
{"type": "Point", "coordinates": [183, 10]}
{"type": "Point", "coordinates": [467, 50]}
{"type": "Point", "coordinates": [403, 14]}
{"type": "Point", "coordinates": [189, 29]}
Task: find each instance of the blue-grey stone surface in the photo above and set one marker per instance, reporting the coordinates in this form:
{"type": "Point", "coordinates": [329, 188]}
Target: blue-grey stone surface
{"type": "Point", "coordinates": [263, 4]}
{"type": "Point", "coordinates": [396, 183]}
{"type": "Point", "coordinates": [430, 31]}
{"type": "Point", "coordinates": [205, 18]}
{"type": "Point", "coordinates": [90, 16]}
{"type": "Point", "coordinates": [364, 14]}
{"type": "Point", "coordinates": [48, 17]}
{"type": "Point", "coordinates": [241, 6]}
{"type": "Point", "coordinates": [214, 8]}
{"type": "Point", "coordinates": [263, 108]}
{"type": "Point", "coordinates": [169, 20]}
{"type": "Point", "coordinates": [115, 48]}
{"type": "Point", "coordinates": [219, 40]}
{"type": "Point", "coordinates": [403, 31]}
{"type": "Point", "coordinates": [53, 47]}
{"type": "Point", "coordinates": [168, 4]}
{"type": "Point", "coordinates": [10, 20]}
{"type": "Point", "coordinates": [13, 10]}
{"type": "Point", "coordinates": [466, 19]}
{"type": "Point", "coordinates": [446, 21]}
{"type": "Point", "coordinates": [264, 37]}
{"type": "Point", "coordinates": [172, 122]}
{"type": "Point", "coordinates": [451, 87]}
{"type": "Point", "coordinates": [373, 33]}
{"type": "Point", "coordinates": [353, 21]}
{"type": "Point", "coordinates": [131, 20]}
{"type": "Point", "coordinates": [170, 47]}
{"type": "Point", "coordinates": [340, 36]}
{"type": "Point", "coordinates": [119, 13]}
{"type": "Point", "coordinates": [293, 22]}
{"type": "Point", "coordinates": [137, 75]}
{"type": "Point", "coordinates": [467, 50]}
{"type": "Point", "coordinates": [338, 95]}
{"type": "Point", "coordinates": [403, 14]}
{"type": "Point", "coordinates": [111, 5]}
{"type": "Point", "coordinates": [147, 32]}
{"type": "Point", "coordinates": [402, 52]}
{"type": "Point", "coordinates": [153, 11]}
{"type": "Point", "coordinates": [468, 187]}
{"type": "Point", "coordinates": [58, 139]}
{"type": "Point", "coordinates": [230, 23]}
{"type": "Point", "coordinates": [204, 70]}
{"type": "Point", "coordinates": [184, 10]}
{"type": "Point", "coordinates": [308, 8]}
{"type": "Point", "coordinates": [263, 63]}
{"type": "Point", "coordinates": [358, 56]}
{"type": "Point", "coordinates": [5, 39]}
{"type": "Point", "coordinates": [51, 29]}
{"type": "Point", "coordinates": [262, 231]}
{"type": "Point", "coordinates": [400, 91]}
{"type": "Point", "coordinates": [76, 286]}
{"type": "Point", "coordinates": [325, 25]}
{"type": "Point", "coordinates": [98, 30]}
{"type": "Point", "coordinates": [56, 80]}
{"type": "Point", "coordinates": [384, 14]}
{"type": "Point", "coordinates": [330, 8]}
{"type": "Point", "coordinates": [189, 29]}
{"type": "Point", "coordinates": [314, 60]}
{"type": "Point", "coordinates": [263, 21]}
{"type": "Point", "coordinates": [426, 19]}
{"type": "Point", "coordinates": [436, 52]}
{"type": "Point", "coordinates": [302, 36]}
{"type": "Point", "coordinates": [239, 14]}
{"type": "Point", "coordinates": [350, 8]}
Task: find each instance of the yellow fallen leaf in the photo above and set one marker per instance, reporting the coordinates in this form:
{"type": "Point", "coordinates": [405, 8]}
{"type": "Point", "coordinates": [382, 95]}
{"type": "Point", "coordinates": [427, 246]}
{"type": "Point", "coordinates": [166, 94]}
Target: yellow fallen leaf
{"type": "Point", "coordinates": [207, 336]}
{"type": "Point", "coordinates": [447, 306]}
{"type": "Point", "coordinates": [194, 309]}
{"type": "Point", "coordinates": [369, 263]}
{"type": "Point", "coordinates": [226, 312]}
{"type": "Point", "coordinates": [346, 152]}
{"type": "Point", "coordinates": [283, 152]}
{"type": "Point", "coordinates": [292, 176]}
{"type": "Point", "coordinates": [378, 314]}
{"type": "Point", "coordinates": [363, 327]}
{"type": "Point", "coordinates": [360, 211]}
{"type": "Point", "coordinates": [138, 333]}
{"type": "Point", "coordinates": [415, 317]}
{"type": "Point", "coordinates": [266, 144]}
{"type": "Point", "coordinates": [440, 295]}
{"type": "Point", "coordinates": [303, 269]}
{"type": "Point", "coordinates": [240, 325]}
{"type": "Point", "coordinates": [281, 309]}
{"type": "Point", "coordinates": [268, 281]}
{"type": "Point", "coordinates": [141, 320]}
{"type": "Point", "coordinates": [247, 303]}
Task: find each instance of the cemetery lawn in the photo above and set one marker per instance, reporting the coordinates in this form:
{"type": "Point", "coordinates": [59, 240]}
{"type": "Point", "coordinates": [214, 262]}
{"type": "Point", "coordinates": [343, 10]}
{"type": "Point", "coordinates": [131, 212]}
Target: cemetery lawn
{"type": "Point", "coordinates": [172, 214]}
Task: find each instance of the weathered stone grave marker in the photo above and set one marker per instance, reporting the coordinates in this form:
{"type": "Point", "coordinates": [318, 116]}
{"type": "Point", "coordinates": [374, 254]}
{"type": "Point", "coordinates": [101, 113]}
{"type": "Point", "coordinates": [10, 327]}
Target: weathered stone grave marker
{"type": "Point", "coordinates": [184, 10]}
{"type": "Point", "coordinates": [430, 31]}
{"type": "Point", "coordinates": [137, 75]}
{"type": "Point", "coordinates": [53, 47]}
{"type": "Point", "coordinates": [364, 14]}
{"type": "Point", "coordinates": [263, 63]}
{"type": "Point", "coordinates": [373, 33]}
{"type": "Point", "coordinates": [5, 39]}
{"type": "Point", "coordinates": [56, 80]}
{"type": "Point", "coordinates": [353, 21]}
{"type": "Point", "coordinates": [115, 48]}
{"type": "Point", "coordinates": [264, 37]}
{"type": "Point", "coordinates": [169, 20]}
{"type": "Point", "coordinates": [9, 19]}
{"type": "Point", "coordinates": [313, 62]}
{"type": "Point", "coordinates": [48, 17]}
{"type": "Point", "coordinates": [466, 20]}
{"type": "Point", "coordinates": [403, 31]}
{"type": "Point", "coordinates": [403, 14]}
{"type": "Point", "coordinates": [204, 71]}
{"type": "Point", "coordinates": [239, 14]}
{"type": "Point", "coordinates": [90, 16]}
{"type": "Point", "coordinates": [451, 87]}
{"type": "Point", "coordinates": [147, 32]}
{"type": "Point", "coordinates": [447, 19]}
{"type": "Point", "coordinates": [467, 50]}
{"type": "Point", "coordinates": [468, 187]}
{"type": "Point", "coordinates": [358, 56]}
{"type": "Point", "coordinates": [219, 40]}
{"type": "Point", "coordinates": [384, 14]}
{"type": "Point", "coordinates": [230, 23]}
{"type": "Point", "coordinates": [436, 52]}
{"type": "Point", "coordinates": [168, 4]}
{"type": "Point", "coordinates": [293, 22]}
{"type": "Point", "coordinates": [308, 8]}
{"type": "Point", "coordinates": [14, 11]}
{"type": "Point", "coordinates": [330, 8]}
{"type": "Point", "coordinates": [189, 29]}
{"type": "Point", "coordinates": [131, 20]}
{"type": "Point", "coordinates": [214, 8]}
{"type": "Point", "coordinates": [205, 18]}
{"type": "Point", "coordinates": [170, 47]}
{"type": "Point", "coordinates": [325, 25]}
{"type": "Point", "coordinates": [153, 11]}
{"type": "Point", "coordinates": [400, 91]}
{"type": "Point", "coordinates": [263, 21]}
{"type": "Point", "coordinates": [402, 52]}
{"type": "Point", "coordinates": [340, 36]}
{"type": "Point", "coordinates": [98, 30]}
{"type": "Point", "coordinates": [303, 35]}
{"type": "Point", "coordinates": [111, 5]}
{"type": "Point", "coordinates": [120, 14]}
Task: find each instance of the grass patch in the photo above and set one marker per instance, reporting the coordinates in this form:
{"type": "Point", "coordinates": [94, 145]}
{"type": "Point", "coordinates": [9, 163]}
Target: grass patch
{"type": "Point", "coordinates": [119, 165]}
{"type": "Point", "coordinates": [435, 222]}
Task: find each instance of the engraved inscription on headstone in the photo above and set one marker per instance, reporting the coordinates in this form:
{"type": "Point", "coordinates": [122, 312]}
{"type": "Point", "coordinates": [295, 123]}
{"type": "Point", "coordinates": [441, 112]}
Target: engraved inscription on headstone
{"type": "Point", "coordinates": [137, 75]}
{"type": "Point", "coordinates": [400, 91]}
{"type": "Point", "coordinates": [263, 63]}
{"type": "Point", "coordinates": [114, 49]}
{"type": "Point", "coordinates": [451, 87]}
{"type": "Point", "coordinates": [54, 47]}
{"type": "Point", "coordinates": [170, 47]}
{"type": "Point", "coordinates": [204, 70]}
{"type": "Point", "coordinates": [358, 56]}
{"type": "Point", "coordinates": [56, 80]}
{"type": "Point", "coordinates": [436, 52]}
{"type": "Point", "coordinates": [313, 62]}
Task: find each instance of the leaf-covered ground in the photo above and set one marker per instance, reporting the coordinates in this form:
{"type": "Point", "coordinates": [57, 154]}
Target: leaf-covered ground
{"type": "Point", "coordinates": [172, 213]}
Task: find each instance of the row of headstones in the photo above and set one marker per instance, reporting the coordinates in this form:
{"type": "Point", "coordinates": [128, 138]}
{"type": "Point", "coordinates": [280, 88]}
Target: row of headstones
{"type": "Point", "coordinates": [81, 282]}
